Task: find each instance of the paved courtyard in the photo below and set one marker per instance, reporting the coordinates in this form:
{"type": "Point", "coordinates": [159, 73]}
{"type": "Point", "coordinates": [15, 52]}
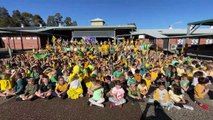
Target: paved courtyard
{"type": "Point", "coordinates": [56, 109]}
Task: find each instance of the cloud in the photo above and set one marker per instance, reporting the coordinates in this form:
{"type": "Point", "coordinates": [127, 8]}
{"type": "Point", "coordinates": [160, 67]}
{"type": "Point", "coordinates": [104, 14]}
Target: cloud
{"type": "Point", "coordinates": [178, 22]}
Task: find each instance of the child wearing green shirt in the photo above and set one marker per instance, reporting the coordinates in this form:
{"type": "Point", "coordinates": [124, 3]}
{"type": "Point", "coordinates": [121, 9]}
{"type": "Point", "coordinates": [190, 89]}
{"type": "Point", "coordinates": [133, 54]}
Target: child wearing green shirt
{"type": "Point", "coordinates": [134, 93]}
{"type": "Point", "coordinates": [184, 83]}
{"type": "Point", "coordinates": [45, 89]}
{"type": "Point", "coordinates": [98, 95]}
{"type": "Point", "coordinates": [30, 90]}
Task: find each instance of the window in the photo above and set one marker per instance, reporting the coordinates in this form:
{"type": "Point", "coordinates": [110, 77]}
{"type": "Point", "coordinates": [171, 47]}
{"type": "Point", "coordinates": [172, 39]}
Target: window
{"type": "Point", "coordinates": [18, 38]}
{"type": "Point", "coordinates": [28, 38]}
{"type": "Point", "coordinates": [34, 38]}
{"type": "Point", "coordinates": [195, 41]}
{"type": "Point", "coordinates": [209, 41]}
{"type": "Point", "coordinates": [180, 41]}
{"type": "Point", "coordinates": [4, 38]}
{"type": "Point", "coordinates": [141, 36]}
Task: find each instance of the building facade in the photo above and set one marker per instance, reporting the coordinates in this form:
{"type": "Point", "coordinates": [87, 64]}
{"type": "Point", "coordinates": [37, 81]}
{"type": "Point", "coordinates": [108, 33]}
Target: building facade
{"type": "Point", "coordinates": [169, 39]}
{"type": "Point", "coordinates": [38, 37]}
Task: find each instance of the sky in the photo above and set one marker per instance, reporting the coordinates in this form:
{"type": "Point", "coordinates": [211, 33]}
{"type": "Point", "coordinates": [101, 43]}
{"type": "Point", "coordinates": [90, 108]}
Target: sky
{"type": "Point", "coordinates": [147, 14]}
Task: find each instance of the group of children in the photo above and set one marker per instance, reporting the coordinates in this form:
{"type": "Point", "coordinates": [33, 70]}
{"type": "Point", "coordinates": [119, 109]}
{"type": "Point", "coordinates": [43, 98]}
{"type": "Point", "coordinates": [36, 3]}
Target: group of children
{"type": "Point", "coordinates": [114, 72]}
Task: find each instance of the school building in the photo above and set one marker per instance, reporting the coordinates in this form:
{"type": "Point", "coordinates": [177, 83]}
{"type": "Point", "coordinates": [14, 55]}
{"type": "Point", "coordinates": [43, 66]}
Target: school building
{"type": "Point", "coordinates": [167, 39]}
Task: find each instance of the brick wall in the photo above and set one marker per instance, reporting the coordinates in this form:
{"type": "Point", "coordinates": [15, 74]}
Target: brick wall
{"type": "Point", "coordinates": [29, 42]}
{"type": "Point", "coordinates": [202, 41]}
{"type": "Point", "coordinates": [173, 41]}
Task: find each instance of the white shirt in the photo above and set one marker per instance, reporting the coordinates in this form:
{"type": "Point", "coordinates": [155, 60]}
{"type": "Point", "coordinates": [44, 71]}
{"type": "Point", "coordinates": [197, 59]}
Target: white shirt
{"type": "Point", "coordinates": [195, 81]}
{"type": "Point", "coordinates": [75, 84]}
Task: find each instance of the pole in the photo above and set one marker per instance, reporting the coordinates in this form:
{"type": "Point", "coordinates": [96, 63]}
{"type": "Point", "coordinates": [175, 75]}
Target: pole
{"type": "Point", "coordinates": [187, 34]}
{"type": "Point", "coordinates": [8, 41]}
{"type": "Point", "coordinates": [22, 45]}
{"type": "Point", "coordinates": [37, 41]}
{"type": "Point", "coordinates": [14, 45]}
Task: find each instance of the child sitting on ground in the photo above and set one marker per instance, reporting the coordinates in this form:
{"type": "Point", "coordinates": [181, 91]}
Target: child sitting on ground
{"type": "Point", "coordinates": [143, 88]}
{"type": "Point", "coordinates": [117, 94]}
{"type": "Point", "coordinates": [30, 90]}
{"type": "Point", "coordinates": [130, 78]}
{"type": "Point", "coordinates": [97, 95]}
{"type": "Point", "coordinates": [201, 92]}
{"type": "Point", "coordinates": [148, 80]}
{"type": "Point", "coordinates": [61, 89]}
{"type": "Point", "coordinates": [18, 88]}
{"type": "Point", "coordinates": [184, 83]}
{"type": "Point", "coordinates": [108, 85]}
{"type": "Point", "coordinates": [196, 75]}
{"type": "Point", "coordinates": [137, 76]}
{"type": "Point", "coordinates": [134, 94]}
{"type": "Point", "coordinates": [45, 89]}
{"type": "Point", "coordinates": [117, 73]}
{"type": "Point", "coordinates": [5, 84]}
{"type": "Point", "coordinates": [178, 98]}
{"type": "Point", "coordinates": [75, 89]}
{"type": "Point", "coordinates": [161, 97]}
{"type": "Point", "coordinates": [176, 81]}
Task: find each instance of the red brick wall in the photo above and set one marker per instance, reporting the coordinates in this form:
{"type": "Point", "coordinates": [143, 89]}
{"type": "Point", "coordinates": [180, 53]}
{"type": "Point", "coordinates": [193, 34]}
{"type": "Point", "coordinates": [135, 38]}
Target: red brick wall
{"type": "Point", "coordinates": [173, 41]}
{"type": "Point", "coordinates": [29, 42]}
{"type": "Point", "coordinates": [202, 41]}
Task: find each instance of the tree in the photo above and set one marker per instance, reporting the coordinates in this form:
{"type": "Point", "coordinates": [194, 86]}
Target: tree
{"type": "Point", "coordinates": [51, 21]}
{"type": "Point", "coordinates": [17, 18]}
{"type": "Point", "coordinates": [74, 23]}
{"type": "Point", "coordinates": [5, 19]}
{"type": "Point", "coordinates": [37, 20]}
{"type": "Point", "coordinates": [27, 19]}
{"type": "Point", "coordinates": [68, 21]}
{"type": "Point", "coordinates": [58, 18]}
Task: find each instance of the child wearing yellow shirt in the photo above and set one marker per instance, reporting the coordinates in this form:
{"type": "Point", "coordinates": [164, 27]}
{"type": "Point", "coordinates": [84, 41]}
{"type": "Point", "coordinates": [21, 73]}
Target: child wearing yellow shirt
{"type": "Point", "coordinates": [5, 84]}
{"type": "Point", "coordinates": [142, 88]}
{"type": "Point", "coordinates": [148, 80]}
{"type": "Point", "coordinates": [60, 89]}
{"type": "Point", "coordinates": [201, 92]}
{"type": "Point", "coordinates": [161, 97]}
{"type": "Point", "coordinates": [137, 76]}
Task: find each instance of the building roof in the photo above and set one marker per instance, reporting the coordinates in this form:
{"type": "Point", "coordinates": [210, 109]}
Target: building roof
{"type": "Point", "coordinates": [97, 20]}
{"type": "Point", "coordinates": [165, 33]}
{"type": "Point", "coordinates": [150, 32]}
{"type": "Point", "coordinates": [43, 29]}
{"type": "Point", "coordinates": [202, 22]}
{"type": "Point", "coordinates": [4, 31]}
{"type": "Point", "coordinates": [190, 36]}
{"type": "Point", "coordinates": [95, 27]}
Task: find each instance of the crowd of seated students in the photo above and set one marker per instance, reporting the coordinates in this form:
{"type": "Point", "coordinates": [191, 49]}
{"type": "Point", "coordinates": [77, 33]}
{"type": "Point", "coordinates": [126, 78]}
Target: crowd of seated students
{"type": "Point", "coordinates": [108, 72]}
